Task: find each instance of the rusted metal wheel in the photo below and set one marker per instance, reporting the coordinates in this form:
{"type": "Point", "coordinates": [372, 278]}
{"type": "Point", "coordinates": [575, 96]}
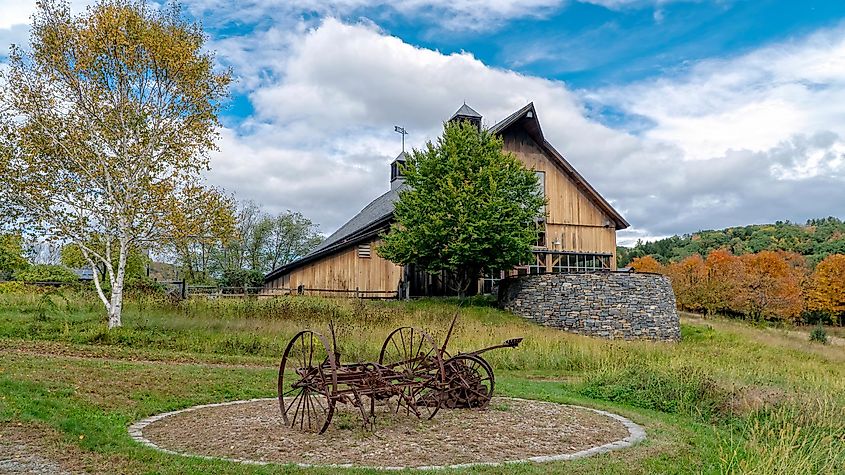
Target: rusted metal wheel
{"type": "Point", "coordinates": [307, 383]}
{"type": "Point", "coordinates": [469, 381]}
{"type": "Point", "coordinates": [413, 353]}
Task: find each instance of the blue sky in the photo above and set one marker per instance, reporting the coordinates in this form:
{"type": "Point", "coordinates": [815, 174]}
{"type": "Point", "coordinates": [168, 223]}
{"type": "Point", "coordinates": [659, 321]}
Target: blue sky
{"type": "Point", "coordinates": [687, 115]}
{"type": "Point", "coordinates": [590, 45]}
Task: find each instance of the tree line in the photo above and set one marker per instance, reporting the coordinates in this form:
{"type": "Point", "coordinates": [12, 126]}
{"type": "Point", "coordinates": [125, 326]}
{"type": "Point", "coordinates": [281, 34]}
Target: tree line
{"type": "Point", "coordinates": [766, 285]}
{"type": "Point", "coordinates": [235, 245]}
{"type": "Point", "coordinates": [215, 241]}
{"type": "Point", "coordinates": [815, 240]}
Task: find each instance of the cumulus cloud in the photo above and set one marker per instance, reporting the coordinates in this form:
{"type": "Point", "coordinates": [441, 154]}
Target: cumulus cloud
{"type": "Point", "coordinates": [757, 138]}
{"type": "Point", "coordinates": [321, 136]}
{"type": "Point", "coordinates": [754, 138]}
{"type": "Point", "coordinates": [332, 109]}
{"type": "Point", "coordinates": [750, 102]}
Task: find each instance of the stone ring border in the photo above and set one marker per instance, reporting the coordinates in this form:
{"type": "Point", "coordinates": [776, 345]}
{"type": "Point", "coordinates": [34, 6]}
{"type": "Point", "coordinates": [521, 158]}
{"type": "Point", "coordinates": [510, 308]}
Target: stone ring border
{"type": "Point", "coordinates": [636, 434]}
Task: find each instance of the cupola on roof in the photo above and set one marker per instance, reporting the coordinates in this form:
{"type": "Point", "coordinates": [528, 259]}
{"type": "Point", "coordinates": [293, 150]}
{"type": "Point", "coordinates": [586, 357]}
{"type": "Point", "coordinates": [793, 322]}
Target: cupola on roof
{"type": "Point", "coordinates": [466, 112]}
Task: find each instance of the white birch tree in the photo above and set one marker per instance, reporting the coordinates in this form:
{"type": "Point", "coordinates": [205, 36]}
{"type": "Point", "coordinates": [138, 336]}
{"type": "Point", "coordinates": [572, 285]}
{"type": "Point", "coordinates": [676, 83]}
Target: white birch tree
{"type": "Point", "coordinates": [103, 121]}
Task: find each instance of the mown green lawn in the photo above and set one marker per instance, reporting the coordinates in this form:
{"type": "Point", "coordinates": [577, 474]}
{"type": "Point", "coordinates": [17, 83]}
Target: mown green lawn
{"type": "Point", "coordinates": [727, 398]}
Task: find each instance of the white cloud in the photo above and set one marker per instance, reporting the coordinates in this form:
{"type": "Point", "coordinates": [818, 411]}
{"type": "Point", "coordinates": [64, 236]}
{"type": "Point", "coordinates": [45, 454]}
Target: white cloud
{"type": "Point", "coordinates": [622, 4]}
{"type": "Point", "coordinates": [324, 124]}
{"type": "Point", "coordinates": [750, 102]}
{"type": "Point", "coordinates": [18, 12]}
{"type": "Point", "coordinates": [750, 139]}
{"type": "Point", "coordinates": [15, 13]}
{"type": "Point", "coordinates": [729, 145]}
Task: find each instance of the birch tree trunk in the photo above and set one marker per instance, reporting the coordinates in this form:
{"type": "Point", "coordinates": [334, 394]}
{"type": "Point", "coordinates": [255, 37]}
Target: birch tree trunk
{"type": "Point", "coordinates": [116, 305]}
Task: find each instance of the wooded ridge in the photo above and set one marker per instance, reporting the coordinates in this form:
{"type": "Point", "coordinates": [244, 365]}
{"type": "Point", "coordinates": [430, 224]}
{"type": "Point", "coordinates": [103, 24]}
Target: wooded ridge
{"type": "Point", "coordinates": [815, 240]}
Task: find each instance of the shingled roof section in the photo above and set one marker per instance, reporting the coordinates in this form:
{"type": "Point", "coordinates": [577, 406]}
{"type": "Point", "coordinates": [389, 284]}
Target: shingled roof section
{"type": "Point", "coordinates": [380, 208]}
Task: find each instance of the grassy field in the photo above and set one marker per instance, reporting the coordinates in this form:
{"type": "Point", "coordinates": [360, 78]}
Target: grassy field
{"type": "Point", "coordinates": [727, 398]}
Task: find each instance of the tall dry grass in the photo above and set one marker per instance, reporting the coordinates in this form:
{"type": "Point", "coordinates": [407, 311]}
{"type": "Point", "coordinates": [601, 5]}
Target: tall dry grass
{"type": "Point", "coordinates": [778, 400]}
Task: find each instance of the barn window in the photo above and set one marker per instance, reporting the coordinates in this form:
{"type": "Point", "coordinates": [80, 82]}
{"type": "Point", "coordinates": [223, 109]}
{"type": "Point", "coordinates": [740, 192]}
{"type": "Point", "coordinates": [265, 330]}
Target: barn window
{"type": "Point", "coordinates": [541, 183]}
{"type": "Point", "coordinates": [364, 250]}
{"type": "Point", "coordinates": [566, 262]}
{"type": "Point", "coordinates": [490, 282]}
{"type": "Point", "coordinates": [539, 264]}
{"type": "Point", "coordinates": [541, 239]}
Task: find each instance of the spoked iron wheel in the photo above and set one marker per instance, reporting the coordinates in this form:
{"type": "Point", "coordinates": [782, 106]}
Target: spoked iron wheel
{"type": "Point", "coordinates": [414, 354]}
{"type": "Point", "coordinates": [470, 381]}
{"type": "Point", "coordinates": [307, 382]}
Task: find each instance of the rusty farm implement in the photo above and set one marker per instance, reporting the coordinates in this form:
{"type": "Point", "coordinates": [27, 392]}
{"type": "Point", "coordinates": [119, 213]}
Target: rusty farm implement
{"type": "Point", "coordinates": [413, 377]}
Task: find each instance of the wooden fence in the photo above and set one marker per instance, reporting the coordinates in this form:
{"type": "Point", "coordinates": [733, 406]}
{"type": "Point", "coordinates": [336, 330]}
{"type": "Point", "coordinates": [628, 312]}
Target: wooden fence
{"type": "Point", "coordinates": [229, 292]}
{"type": "Point", "coordinates": [180, 289]}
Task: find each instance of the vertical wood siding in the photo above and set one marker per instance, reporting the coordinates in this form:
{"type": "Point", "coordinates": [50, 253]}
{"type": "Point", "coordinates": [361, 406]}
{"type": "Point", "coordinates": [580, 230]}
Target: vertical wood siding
{"type": "Point", "coordinates": [573, 219]}
{"type": "Point", "coordinates": [345, 271]}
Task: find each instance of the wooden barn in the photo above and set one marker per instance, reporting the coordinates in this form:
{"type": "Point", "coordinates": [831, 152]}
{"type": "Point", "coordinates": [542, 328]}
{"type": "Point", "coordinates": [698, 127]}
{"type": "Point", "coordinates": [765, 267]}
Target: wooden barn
{"type": "Point", "coordinates": [579, 231]}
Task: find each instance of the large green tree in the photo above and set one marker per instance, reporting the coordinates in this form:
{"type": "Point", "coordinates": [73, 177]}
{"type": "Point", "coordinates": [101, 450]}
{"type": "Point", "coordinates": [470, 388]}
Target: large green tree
{"type": "Point", "coordinates": [470, 207]}
{"type": "Point", "coordinates": [103, 121]}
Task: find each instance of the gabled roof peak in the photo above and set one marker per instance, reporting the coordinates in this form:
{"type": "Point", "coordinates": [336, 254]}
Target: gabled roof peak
{"type": "Point", "coordinates": [466, 111]}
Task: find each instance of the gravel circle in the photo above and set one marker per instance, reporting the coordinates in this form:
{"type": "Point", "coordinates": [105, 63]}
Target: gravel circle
{"type": "Point", "coordinates": [510, 430]}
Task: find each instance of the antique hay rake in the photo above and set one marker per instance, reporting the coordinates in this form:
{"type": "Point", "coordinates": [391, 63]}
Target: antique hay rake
{"type": "Point", "coordinates": [412, 376]}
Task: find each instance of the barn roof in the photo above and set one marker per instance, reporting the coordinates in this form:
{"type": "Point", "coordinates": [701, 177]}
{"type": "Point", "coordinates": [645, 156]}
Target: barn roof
{"type": "Point", "coordinates": [373, 219]}
{"type": "Point", "coordinates": [367, 223]}
{"type": "Point", "coordinates": [380, 208]}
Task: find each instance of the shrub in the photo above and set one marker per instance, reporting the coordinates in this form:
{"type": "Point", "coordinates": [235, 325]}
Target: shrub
{"type": "Point", "coordinates": [242, 278]}
{"type": "Point", "coordinates": [143, 286]}
{"type": "Point", "coordinates": [689, 391]}
{"type": "Point", "coordinates": [12, 287]}
{"type": "Point", "coordinates": [816, 317]}
{"type": "Point", "coordinates": [819, 335]}
{"type": "Point", "coordinates": [46, 273]}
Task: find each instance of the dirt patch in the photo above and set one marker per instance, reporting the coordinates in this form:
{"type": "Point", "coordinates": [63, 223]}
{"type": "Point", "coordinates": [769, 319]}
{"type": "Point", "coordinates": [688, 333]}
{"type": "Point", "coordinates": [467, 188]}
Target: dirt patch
{"type": "Point", "coordinates": [754, 398]}
{"type": "Point", "coordinates": [510, 429]}
{"type": "Point", "coordinates": [30, 450]}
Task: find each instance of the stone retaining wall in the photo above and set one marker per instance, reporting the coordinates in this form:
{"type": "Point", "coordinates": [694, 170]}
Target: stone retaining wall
{"type": "Point", "coordinates": [610, 305]}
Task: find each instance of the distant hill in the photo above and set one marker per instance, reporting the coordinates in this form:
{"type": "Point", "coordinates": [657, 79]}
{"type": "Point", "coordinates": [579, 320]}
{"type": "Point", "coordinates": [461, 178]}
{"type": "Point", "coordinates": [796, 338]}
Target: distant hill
{"type": "Point", "coordinates": [816, 239]}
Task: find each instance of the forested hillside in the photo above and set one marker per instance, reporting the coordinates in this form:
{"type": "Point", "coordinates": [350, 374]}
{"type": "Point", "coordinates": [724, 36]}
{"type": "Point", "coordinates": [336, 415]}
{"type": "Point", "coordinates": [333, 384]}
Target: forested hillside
{"type": "Point", "coordinates": [815, 240]}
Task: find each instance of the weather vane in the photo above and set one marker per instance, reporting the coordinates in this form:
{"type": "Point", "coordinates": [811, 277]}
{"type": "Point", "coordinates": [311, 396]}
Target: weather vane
{"type": "Point", "coordinates": [401, 130]}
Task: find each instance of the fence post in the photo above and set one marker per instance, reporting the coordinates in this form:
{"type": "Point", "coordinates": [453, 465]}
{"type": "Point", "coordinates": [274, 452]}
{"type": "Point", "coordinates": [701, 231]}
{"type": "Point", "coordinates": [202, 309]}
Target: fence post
{"type": "Point", "coordinates": [357, 295]}
{"type": "Point", "coordinates": [184, 289]}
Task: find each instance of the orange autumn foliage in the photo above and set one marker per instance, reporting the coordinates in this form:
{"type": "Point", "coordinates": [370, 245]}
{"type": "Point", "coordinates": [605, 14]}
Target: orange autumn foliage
{"type": "Point", "coordinates": [770, 286]}
{"type": "Point", "coordinates": [827, 287]}
{"type": "Point", "coordinates": [763, 285]}
{"type": "Point", "coordinates": [647, 264]}
{"type": "Point", "coordinates": [688, 277]}
{"type": "Point", "coordinates": [723, 272]}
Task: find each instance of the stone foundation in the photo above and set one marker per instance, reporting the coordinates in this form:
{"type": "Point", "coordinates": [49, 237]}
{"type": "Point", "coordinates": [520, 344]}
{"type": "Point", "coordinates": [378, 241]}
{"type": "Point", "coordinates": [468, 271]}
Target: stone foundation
{"type": "Point", "coordinates": [611, 305]}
